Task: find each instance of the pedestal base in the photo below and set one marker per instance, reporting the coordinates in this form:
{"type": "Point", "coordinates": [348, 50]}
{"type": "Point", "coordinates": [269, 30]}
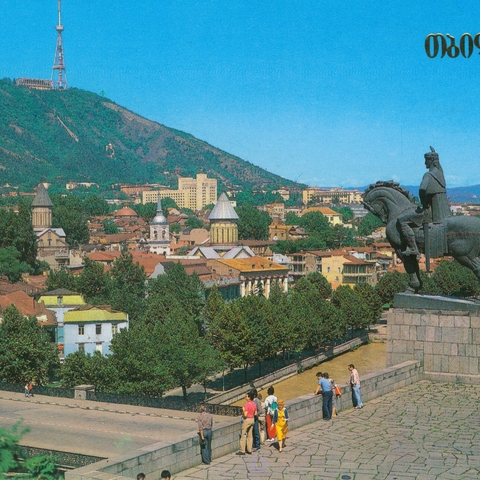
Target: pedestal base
{"type": "Point", "coordinates": [442, 333]}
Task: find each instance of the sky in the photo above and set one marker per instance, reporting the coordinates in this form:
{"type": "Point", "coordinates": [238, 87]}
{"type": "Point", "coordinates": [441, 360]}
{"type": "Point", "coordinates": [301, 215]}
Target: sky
{"type": "Point", "coordinates": [324, 92]}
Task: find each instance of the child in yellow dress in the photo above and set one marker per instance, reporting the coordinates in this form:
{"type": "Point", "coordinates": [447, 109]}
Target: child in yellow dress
{"type": "Point", "coordinates": [280, 420]}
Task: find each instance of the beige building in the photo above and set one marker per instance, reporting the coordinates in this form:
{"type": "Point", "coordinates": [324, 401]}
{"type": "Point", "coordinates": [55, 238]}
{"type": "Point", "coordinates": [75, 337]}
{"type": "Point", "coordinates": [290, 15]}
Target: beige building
{"type": "Point", "coordinates": [254, 273]}
{"type": "Point", "coordinates": [192, 193]}
{"type": "Point", "coordinates": [332, 195]}
{"type": "Point", "coordinates": [333, 217]}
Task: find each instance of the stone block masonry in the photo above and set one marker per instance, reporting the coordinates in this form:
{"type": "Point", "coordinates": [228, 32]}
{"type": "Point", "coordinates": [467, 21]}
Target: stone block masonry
{"type": "Point", "coordinates": [442, 334]}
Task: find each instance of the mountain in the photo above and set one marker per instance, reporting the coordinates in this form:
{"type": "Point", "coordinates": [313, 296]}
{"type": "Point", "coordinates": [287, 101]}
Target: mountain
{"type": "Point", "coordinates": [469, 194]}
{"type": "Point", "coordinates": [455, 194]}
{"type": "Point", "coordinates": [75, 135]}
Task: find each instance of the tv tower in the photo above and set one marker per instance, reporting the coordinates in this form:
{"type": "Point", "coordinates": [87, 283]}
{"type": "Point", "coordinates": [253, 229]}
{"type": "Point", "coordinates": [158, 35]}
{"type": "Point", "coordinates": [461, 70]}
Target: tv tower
{"type": "Point", "coordinates": [59, 81]}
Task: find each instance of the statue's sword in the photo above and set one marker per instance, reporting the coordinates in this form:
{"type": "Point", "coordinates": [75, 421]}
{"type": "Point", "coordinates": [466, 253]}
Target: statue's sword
{"type": "Point", "coordinates": [426, 248]}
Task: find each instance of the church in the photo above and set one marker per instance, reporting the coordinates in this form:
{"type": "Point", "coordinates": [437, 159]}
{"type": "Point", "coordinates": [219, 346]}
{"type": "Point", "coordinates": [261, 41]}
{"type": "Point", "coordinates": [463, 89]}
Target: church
{"type": "Point", "coordinates": [52, 246]}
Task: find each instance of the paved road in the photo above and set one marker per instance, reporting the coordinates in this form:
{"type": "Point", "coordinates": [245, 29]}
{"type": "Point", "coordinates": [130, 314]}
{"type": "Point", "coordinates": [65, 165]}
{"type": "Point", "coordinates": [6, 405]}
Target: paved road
{"type": "Point", "coordinates": [425, 431]}
{"type": "Point", "coordinates": [92, 428]}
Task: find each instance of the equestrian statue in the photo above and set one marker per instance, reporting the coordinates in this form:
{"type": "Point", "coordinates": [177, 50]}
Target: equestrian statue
{"type": "Point", "coordinates": [429, 229]}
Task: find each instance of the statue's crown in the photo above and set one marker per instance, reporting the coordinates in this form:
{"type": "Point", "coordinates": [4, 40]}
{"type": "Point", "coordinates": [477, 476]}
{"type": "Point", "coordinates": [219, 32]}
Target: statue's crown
{"type": "Point", "coordinates": [431, 154]}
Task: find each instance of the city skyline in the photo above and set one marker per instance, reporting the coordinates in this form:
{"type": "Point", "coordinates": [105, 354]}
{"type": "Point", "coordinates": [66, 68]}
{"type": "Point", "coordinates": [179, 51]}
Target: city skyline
{"type": "Point", "coordinates": [293, 87]}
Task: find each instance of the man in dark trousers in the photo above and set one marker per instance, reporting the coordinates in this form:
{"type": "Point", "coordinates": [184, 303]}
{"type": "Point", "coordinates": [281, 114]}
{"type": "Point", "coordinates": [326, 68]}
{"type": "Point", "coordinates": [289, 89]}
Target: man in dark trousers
{"type": "Point", "coordinates": [205, 423]}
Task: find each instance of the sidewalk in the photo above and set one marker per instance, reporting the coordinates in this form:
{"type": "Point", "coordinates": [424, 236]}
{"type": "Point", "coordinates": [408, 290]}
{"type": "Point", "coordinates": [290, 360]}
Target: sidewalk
{"type": "Point", "coordinates": [93, 428]}
{"type": "Point", "coordinates": [425, 431]}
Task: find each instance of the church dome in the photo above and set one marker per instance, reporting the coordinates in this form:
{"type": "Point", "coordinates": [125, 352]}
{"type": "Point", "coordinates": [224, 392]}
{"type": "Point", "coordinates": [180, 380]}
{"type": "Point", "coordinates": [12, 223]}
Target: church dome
{"type": "Point", "coordinates": [126, 212]}
{"type": "Point", "coordinates": [159, 218]}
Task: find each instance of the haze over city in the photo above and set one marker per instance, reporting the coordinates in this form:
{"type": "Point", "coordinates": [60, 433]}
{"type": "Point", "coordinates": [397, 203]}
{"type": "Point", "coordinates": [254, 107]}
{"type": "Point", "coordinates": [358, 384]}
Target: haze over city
{"type": "Point", "coordinates": [293, 87]}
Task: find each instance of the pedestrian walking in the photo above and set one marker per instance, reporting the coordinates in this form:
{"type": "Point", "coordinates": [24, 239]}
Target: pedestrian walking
{"type": "Point", "coordinates": [205, 424]}
{"type": "Point", "coordinates": [262, 421]}
{"type": "Point", "coordinates": [165, 475]}
{"type": "Point", "coordinates": [256, 422]}
{"type": "Point", "coordinates": [280, 420]}
{"type": "Point", "coordinates": [27, 391]}
{"type": "Point", "coordinates": [246, 439]}
{"type": "Point", "coordinates": [355, 385]}
{"type": "Point", "coordinates": [270, 407]}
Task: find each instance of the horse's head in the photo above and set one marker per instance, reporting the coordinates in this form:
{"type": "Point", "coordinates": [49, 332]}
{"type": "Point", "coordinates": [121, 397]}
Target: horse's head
{"type": "Point", "coordinates": [386, 200]}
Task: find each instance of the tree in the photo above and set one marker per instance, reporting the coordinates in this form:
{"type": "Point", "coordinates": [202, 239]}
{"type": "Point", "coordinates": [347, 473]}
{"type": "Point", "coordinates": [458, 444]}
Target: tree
{"type": "Point", "coordinates": [321, 284]}
{"type": "Point", "coordinates": [372, 301]}
{"type": "Point", "coordinates": [93, 284]}
{"type": "Point", "coordinates": [281, 328]}
{"type": "Point", "coordinates": [11, 266]}
{"type": "Point", "coordinates": [26, 353]}
{"type": "Point", "coordinates": [109, 226]}
{"type": "Point", "coordinates": [194, 222]}
{"type": "Point", "coordinates": [25, 240]}
{"type": "Point", "coordinates": [74, 224]}
{"type": "Point", "coordinates": [138, 360]}
{"type": "Point", "coordinates": [80, 369]}
{"type": "Point", "coordinates": [252, 224]}
{"type": "Point", "coordinates": [94, 206]}
{"type": "Point", "coordinates": [146, 211]}
{"type": "Point", "coordinates": [455, 279]}
{"type": "Point", "coordinates": [61, 279]}
{"type": "Point", "coordinates": [369, 224]}
{"type": "Point", "coordinates": [188, 357]}
{"type": "Point", "coordinates": [127, 286]}
{"type": "Point", "coordinates": [183, 289]}
{"type": "Point", "coordinates": [175, 228]}
{"type": "Point", "coordinates": [390, 284]}
{"type": "Point", "coordinates": [345, 212]}
{"type": "Point", "coordinates": [353, 307]}
{"type": "Point", "coordinates": [292, 219]}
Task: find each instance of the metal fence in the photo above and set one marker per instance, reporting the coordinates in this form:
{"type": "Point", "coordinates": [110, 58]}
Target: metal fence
{"type": "Point", "coordinates": [40, 390]}
{"type": "Point", "coordinates": [166, 403]}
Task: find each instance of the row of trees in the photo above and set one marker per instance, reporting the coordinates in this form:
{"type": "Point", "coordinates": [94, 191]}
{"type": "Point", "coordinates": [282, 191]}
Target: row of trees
{"type": "Point", "coordinates": [178, 337]}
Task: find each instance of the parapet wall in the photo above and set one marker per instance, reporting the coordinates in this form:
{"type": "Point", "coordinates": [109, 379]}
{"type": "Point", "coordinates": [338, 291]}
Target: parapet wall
{"type": "Point", "coordinates": [184, 451]}
{"type": "Point", "coordinates": [443, 334]}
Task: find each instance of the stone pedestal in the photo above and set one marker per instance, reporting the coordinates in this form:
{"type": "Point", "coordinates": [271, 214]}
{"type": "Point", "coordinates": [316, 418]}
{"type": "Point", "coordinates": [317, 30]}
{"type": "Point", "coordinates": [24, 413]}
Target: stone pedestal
{"type": "Point", "coordinates": [81, 391]}
{"type": "Point", "coordinates": [442, 333]}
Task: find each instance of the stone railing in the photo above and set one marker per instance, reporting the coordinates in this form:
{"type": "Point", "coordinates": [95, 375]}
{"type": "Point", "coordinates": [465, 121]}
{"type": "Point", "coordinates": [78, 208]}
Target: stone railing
{"type": "Point", "coordinates": [184, 452]}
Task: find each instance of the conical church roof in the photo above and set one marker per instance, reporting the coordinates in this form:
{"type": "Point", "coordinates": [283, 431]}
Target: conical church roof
{"type": "Point", "coordinates": [41, 198]}
{"type": "Point", "coordinates": [223, 210]}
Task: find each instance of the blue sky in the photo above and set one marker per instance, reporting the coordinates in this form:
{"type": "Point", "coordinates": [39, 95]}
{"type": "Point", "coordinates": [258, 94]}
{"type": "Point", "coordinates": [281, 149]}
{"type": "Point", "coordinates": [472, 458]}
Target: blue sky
{"type": "Point", "coordinates": [329, 93]}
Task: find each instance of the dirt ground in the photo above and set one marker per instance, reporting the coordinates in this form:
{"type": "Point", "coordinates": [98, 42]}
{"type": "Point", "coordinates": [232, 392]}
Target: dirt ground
{"type": "Point", "coordinates": [367, 359]}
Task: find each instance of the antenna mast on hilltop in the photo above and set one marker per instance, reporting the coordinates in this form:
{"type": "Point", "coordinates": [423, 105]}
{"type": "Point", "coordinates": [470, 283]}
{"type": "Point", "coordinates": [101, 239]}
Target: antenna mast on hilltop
{"type": "Point", "coordinates": [58, 60]}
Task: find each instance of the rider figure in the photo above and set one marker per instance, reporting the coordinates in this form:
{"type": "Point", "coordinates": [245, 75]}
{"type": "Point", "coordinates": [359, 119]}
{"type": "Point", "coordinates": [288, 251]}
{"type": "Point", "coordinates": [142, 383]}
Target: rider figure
{"type": "Point", "coordinates": [433, 195]}
{"type": "Point", "coordinates": [433, 191]}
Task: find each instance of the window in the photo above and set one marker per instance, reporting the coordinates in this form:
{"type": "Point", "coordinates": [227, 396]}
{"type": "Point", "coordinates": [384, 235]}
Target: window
{"type": "Point", "coordinates": [98, 329]}
{"type": "Point", "coordinates": [81, 329]}
{"type": "Point", "coordinates": [114, 328]}
{"type": "Point", "coordinates": [328, 269]}
{"type": "Point", "coordinates": [59, 300]}
{"type": "Point", "coordinates": [81, 347]}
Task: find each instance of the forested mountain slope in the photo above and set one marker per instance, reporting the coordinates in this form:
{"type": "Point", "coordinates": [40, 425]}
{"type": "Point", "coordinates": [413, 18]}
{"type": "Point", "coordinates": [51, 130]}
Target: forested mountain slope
{"type": "Point", "coordinates": [80, 136]}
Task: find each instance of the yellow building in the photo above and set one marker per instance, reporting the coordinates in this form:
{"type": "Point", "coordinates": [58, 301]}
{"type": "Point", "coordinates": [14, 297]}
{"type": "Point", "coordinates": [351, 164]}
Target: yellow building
{"type": "Point", "coordinates": [333, 217]}
{"type": "Point", "coordinates": [192, 193]}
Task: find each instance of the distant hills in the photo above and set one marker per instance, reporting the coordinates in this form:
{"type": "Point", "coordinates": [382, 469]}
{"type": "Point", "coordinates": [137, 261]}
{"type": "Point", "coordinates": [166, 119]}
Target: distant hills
{"type": "Point", "coordinates": [75, 135]}
{"type": "Point", "coordinates": [455, 194]}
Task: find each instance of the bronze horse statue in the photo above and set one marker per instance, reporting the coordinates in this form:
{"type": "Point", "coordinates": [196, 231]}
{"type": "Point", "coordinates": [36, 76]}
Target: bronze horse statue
{"type": "Point", "coordinates": [388, 201]}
